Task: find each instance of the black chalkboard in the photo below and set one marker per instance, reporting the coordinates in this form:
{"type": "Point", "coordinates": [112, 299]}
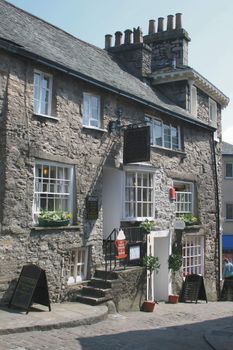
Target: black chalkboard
{"type": "Point", "coordinates": [31, 288]}
{"type": "Point", "coordinates": [92, 208]}
{"type": "Point", "coordinates": [193, 289]}
{"type": "Point", "coordinates": [136, 145]}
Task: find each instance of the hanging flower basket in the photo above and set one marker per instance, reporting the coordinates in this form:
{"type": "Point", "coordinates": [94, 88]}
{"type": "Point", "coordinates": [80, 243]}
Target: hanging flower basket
{"type": "Point", "coordinates": [53, 219]}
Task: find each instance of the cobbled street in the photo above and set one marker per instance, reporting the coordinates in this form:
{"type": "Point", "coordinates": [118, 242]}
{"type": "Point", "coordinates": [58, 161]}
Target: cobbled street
{"type": "Point", "coordinates": [178, 327]}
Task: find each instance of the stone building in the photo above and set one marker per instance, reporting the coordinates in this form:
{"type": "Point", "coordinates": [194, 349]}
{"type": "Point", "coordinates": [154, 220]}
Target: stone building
{"type": "Point", "coordinates": [58, 96]}
{"type": "Point", "coordinates": [227, 200]}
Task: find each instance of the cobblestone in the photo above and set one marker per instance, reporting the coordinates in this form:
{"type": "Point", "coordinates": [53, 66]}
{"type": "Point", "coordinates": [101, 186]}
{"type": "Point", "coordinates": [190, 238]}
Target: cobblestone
{"type": "Point", "coordinates": [176, 327]}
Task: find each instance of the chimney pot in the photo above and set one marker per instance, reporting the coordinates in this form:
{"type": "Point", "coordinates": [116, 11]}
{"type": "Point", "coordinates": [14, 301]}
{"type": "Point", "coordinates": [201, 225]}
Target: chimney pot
{"type": "Point", "coordinates": [118, 36]}
{"type": "Point", "coordinates": [160, 24]}
{"type": "Point", "coordinates": [108, 41]}
{"type": "Point", "coordinates": [170, 22]}
{"type": "Point", "coordinates": [178, 20]}
{"type": "Point", "coordinates": [137, 35]}
{"type": "Point", "coordinates": [151, 26]}
{"type": "Point", "coordinates": [128, 36]}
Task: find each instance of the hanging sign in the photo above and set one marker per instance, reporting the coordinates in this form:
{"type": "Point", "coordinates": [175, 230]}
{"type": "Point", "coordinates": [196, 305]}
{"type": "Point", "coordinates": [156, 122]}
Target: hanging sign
{"type": "Point", "coordinates": [31, 288]}
{"type": "Point", "coordinates": [92, 208]}
{"type": "Point", "coordinates": [136, 145]}
{"type": "Point", "coordinates": [121, 244]}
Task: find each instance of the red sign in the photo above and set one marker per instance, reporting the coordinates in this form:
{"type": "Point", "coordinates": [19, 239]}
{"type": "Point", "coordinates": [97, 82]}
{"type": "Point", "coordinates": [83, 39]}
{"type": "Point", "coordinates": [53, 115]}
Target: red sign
{"type": "Point", "coordinates": [121, 244]}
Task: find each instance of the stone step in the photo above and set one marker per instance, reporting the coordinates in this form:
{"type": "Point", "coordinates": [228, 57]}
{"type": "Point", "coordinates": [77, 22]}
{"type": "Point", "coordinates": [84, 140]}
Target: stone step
{"type": "Point", "coordinates": [109, 275]}
{"type": "Point", "coordinates": [96, 292]}
{"type": "Point", "coordinates": [100, 283]}
{"type": "Point", "coordinates": [92, 300]}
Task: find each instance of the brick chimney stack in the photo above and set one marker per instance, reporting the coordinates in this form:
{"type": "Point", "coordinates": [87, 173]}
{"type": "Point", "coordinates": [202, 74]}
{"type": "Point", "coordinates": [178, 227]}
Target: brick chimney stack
{"type": "Point", "coordinates": [128, 36]}
{"type": "Point", "coordinates": [151, 26]}
{"type": "Point", "coordinates": [108, 41]}
{"type": "Point", "coordinates": [178, 21]}
{"type": "Point", "coordinates": [170, 22]}
{"type": "Point", "coordinates": [118, 37]}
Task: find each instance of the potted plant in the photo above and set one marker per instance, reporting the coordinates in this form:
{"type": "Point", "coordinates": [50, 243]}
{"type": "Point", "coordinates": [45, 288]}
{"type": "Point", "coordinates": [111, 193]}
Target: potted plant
{"type": "Point", "coordinates": [189, 219]}
{"type": "Point", "coordinates": [174, 264]}
{"type": "Point", "coordinates": [148, 225]}
{"type": "Point", "coordinates": [151, 263]}
{"type": "Point", "coordinates": [53, 218]}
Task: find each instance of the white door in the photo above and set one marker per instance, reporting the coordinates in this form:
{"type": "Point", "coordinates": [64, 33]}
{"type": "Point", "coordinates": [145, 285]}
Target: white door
{"type": "Point", "coordinates": [158, 244]}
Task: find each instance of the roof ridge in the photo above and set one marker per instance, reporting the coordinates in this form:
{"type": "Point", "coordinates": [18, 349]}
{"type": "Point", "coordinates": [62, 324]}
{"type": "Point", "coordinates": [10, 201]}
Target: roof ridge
{"type": "Point", "coordinates": [52, 25]}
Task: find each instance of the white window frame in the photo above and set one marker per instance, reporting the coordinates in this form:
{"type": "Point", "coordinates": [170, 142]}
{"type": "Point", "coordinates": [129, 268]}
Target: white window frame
{"type": "Point", "coordinates": [193, 256]}
{"type": "Point", "coordinates": [78, 264]}
{"type": "Point", "coordinates": [151, 121]}
{"type": "Point", "coordinates": [152, 202]}
{"type": "Point", "coordinates": [185, 194]}
{"type": "Point", "coordinates": [52, 181]}
{"type": "Point", "coordinates": [229, 177]}
{"type": "Point", "coordinates": [231, 218]}
{"type": "Point", "coordinates": [193, 100]}
{"type": "Point", "coordinates": [50, 89]}
{"type": "Point", "coordinates": [212, 111]}
{"type": "Point", "coordinates": [88, 118]}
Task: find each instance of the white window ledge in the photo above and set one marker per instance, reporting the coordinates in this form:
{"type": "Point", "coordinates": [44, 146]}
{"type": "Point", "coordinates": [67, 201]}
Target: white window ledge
{"type": "Point", "coordinates": [137, 219]}
{"type": "Point", "coordinates": [169, 149]}
{"type": "Point", "coordinates": [94, 128]}
{"type": "Point", "coordinates": [46, 116]}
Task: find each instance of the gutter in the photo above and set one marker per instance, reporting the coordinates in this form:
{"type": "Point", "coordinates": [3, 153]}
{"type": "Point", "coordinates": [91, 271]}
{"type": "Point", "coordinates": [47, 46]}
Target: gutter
{"type": "Point", "coordinates": [218, 232]}
{"type": "Point", "coordinates": [17, 49]}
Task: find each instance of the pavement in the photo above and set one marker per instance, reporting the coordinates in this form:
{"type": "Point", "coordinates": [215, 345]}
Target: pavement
{"type": "Point", "coordinates": [40, 318]}
{"type": "Point", "coordinates": [213, 320]}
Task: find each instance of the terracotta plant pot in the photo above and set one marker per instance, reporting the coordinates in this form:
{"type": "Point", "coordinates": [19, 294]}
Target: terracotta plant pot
{"type": "Point", "coordinates": [148, 306]}
{"type": "Point", "coordinates": [173, 299]}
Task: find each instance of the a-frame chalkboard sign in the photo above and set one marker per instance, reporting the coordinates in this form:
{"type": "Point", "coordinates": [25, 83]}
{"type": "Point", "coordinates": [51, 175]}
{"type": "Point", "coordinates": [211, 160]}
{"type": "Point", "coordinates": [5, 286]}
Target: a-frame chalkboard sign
{"type": "Point", "coordinates": [31, 288]}
{"type": "Point", "coordinates": [193, 289]}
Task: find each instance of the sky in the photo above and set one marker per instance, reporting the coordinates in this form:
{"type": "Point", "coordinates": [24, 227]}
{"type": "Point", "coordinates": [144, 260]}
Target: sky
{"type": "Point", "coordinates": [208, 22]}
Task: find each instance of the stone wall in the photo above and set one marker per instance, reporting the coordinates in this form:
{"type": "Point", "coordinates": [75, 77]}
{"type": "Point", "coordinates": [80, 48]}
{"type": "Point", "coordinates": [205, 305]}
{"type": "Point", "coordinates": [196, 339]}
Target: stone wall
{"type": "Point", "coordinates": [30, 137]}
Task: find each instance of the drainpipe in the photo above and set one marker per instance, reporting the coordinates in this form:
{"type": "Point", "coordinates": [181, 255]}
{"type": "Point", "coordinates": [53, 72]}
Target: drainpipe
{"type": "Point", "coordinates": [218, 231]}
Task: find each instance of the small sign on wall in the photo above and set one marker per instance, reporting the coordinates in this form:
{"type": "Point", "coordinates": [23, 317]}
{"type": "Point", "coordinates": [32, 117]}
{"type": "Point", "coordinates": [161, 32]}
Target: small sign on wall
{"type": "Point", "coordinates": [92, 208]}
{"type": "Point", "coordinates": [134, 253]}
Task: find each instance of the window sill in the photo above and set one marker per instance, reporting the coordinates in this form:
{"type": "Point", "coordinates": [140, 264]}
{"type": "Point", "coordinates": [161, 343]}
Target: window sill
{"type": "Point", "coordinates": [182, 153]}
{"type": "Point", "coordinates": [94, 128]}
{"type": "Point", "coordinates": [228, 220]}
{"type": "Point", "coordinates": [192, 227]}
{"type": "Point", "coordinates": [45, 116]}
{"type": "Point", "coordinates": [56, 228]}
{"type": "Point", "coordinates": [137, 219]}
{"type": "Point", "coordinates": [228, 178]}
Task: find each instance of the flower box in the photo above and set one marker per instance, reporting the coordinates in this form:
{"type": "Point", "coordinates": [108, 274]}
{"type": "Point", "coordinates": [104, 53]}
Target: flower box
{"type": "Point", "coordinates": [52, 223]}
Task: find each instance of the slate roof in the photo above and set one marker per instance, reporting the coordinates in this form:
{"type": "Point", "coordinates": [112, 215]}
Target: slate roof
{"type": "Point", "coordinates": [227, 149]}
{"type": "Point", "coordinates": [28, 35]}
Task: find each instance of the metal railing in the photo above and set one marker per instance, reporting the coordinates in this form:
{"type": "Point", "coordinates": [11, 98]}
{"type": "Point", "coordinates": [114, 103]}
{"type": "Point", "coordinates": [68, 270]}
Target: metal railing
{"type": "Point", "coordinates": [132, 235]}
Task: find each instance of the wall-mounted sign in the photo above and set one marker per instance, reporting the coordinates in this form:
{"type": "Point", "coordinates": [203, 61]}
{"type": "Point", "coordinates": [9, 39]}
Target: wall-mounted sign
{"type": "Point", "coordinates": [92, 208]}
{"type": "Point", "coordinates": [31, 288]}
{"type": "Point", "coordinates": [134, 253]}
{"type": "Point", "coordinates": [136, 145]}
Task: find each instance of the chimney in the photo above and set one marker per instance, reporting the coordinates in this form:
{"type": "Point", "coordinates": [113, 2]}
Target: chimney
{"type": "Point", "coordinates": [170, 22]}
{"type": "Point", "coordinates": [151, 26]}
{"type": "Point", "coordinates": [128, 36]}
{"type": "Point", "coordinates": [108, 41]}
{"type": "Point", "coordinates": [118, 36]}
{"type": "Point", "coordinates": [160, 24]}
{"type": "Point", "coordinates": [178, 21]}
{"type": "Point", "coordinates": [137, 35]}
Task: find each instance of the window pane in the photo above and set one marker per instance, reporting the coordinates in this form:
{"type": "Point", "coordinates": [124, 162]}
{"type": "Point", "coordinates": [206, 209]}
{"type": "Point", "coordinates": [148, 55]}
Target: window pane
{"type": "Point", "coordinates": [229, 170]}
{"type": "Point", "coordinates": [229, 211]}
{"type": "Point", "coordinates": [175, 138]}
{"type": "Point", "coordinates": [167, 135]}
{"type": "Point", "coordinates": [157, 133]}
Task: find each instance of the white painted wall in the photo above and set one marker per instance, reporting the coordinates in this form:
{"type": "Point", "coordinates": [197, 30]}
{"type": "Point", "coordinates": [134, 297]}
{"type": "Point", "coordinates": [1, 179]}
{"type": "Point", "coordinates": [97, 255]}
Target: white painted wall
{"type": "Point", "coordinates": [112, 199]}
